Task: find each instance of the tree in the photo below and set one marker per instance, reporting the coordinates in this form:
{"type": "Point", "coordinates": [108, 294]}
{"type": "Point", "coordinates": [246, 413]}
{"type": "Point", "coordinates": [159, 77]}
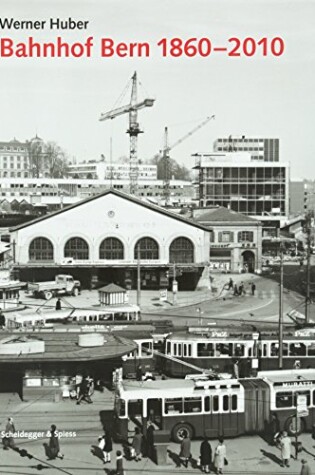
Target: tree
{"type": "Point", "coordinates": [46, 159]}
{"type": "Point", "coordinates": [179, 172]}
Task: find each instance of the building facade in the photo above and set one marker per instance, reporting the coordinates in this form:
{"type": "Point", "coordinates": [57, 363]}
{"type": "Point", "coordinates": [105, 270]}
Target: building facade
{"type": "Point", "coordinates": [258, 189]}
{"type": "Point", "coordinates": [59, 192]}
{"type": "Point", "coordinates": [14, 159]}
{"type": "Point", "coordinates": [235, 240]}
{"type": "Point", "coordinates": [103, 238]}
{"type": "Point", "coordinates": [110, 171]}
{"type": "Point", "coordinates": [260, 149]}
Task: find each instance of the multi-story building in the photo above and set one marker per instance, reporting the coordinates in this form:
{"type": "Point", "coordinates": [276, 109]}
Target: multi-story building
{"type": "Point", "coordinates": [233, 180]}
{"type": "Point", "coordinates": [266, 150]}
{"type": "Point", "coordinates": [14, 159]}
{"type": "Point", "coordinates": [59, 192]}
{"type": "Point", "coordinates": [110, 171]}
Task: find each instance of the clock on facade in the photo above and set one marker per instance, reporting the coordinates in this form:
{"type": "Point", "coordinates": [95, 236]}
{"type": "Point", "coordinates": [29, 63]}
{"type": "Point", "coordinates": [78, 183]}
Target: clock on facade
{"type": "Point", "coordinates": [111, 214]}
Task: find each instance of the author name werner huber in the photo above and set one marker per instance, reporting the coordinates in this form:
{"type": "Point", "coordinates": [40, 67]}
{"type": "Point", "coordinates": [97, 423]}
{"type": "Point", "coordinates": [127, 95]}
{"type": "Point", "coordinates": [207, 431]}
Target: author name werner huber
{"type": "Point", "coordinates": [52, 24]}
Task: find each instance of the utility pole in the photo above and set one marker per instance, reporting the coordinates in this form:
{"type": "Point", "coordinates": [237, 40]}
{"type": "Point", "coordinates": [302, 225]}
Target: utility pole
{"type": "Point", "coordinates": [174, 285]}
{"type": "Point", "coordinates": [138, 277]}
{"type": "Point", "coordinates": [308, 267]}
{"type": "Point", "coordinates": [281, 310]}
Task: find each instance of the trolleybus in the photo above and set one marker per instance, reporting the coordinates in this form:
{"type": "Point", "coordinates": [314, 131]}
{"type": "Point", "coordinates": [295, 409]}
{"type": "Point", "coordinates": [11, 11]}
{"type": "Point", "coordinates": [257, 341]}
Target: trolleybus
{"type": "Point", "coordinates": [227, 408]}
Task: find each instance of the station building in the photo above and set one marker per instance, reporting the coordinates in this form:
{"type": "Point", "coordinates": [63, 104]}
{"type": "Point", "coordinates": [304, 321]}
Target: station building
{"type": "Point", "coordinates": [103, 239]}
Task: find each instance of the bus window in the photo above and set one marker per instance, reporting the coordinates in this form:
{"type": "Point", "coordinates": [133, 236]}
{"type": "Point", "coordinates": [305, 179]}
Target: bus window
{"type": "Point", "coordinates": [314, 397]}
{"type": "Point", "coordinates": [226, 349]}
{"type": "Point", "coordinates": [121, 407]}
{"type": "Point", "coordinates": [264, 349]}
{"type": "Point", "coordinates": [297, 349]}
{"type": "Point", "coordinates": [274, 349]}
{"type": "Point", "coordinates": [284, 399]}
{"type": "Point", "coordinates": [174, 405]}
{"type": "Point", "coordinates": [192, 404]}
{"type": "Point", "coordinates": [186, 349]}
{"type": "Point", "coordinates": [146, 348]}
{"type": "Point", "coordinates": [178, 349]}
{"type": "Point", "coordinates": [189, 349]}
{"type": "Point", "coordinates": [234, 402]}
{"type": "Point", "coordinates": [168, 347]}
{"type": "Point", "coordinates": [135, 408]}
{"type": "Point", "coordinates": [285, 350]}
{"type": "Point", "coordinates": [225, 406]}
{"type": "Point", "coordinates": [311, 349]}
{"type": "Point", "coordinates": [303, 393]}
{"type": "Point", "coordinates": [239, 350]}
{"type": "Point", "coordinates": [215, 404]}
{"type": "Point", "coordinates": [205, 349]}
{"type": "Point", "coordinates": [207, 403]}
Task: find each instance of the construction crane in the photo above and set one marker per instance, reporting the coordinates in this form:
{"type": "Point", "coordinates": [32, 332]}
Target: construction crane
{"type": "Point", "coordinates": [134, 130]}
{"type": "Point", "coordinates": [166, 157]}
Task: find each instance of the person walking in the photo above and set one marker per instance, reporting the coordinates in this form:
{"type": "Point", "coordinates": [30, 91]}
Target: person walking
{"type": "Point", "coordinates": [235, 291]}
{"type": "Point", "coordinates": [241, 289]}
{"type": "Point", "coordinates": [205, 455]}
{"type": "Point", "coordinates": [84, 391]}
{"type": "Point", "coordinates": [58, 304]}
{"type": "Point", "coordinates": [285, 446]}
{"type": "Point", "coordinates": [230, 284]}
{"type": "Point", "coordinates": [253, 288]}
{"type": "Point", "coordinates": [220, 456]}
{"type": "Point", "coordinates": [185, 450]}
{"type": "Point", "coordinates": [108, 447]}
{"type": "Point", "coordinates": [305, 469]}
{"type": "Point", "coordinates": [119, 463]}
{"type": "Point", "coordinates": [137, 444]}
{"type": "Point", "coordinates": [8, 439]}
{"type": "Point", "coordinates": [53, 445]}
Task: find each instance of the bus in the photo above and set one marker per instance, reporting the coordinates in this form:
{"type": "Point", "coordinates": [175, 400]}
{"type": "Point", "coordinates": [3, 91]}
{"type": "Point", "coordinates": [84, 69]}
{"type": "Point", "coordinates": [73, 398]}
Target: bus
{"type": "Point", "coordinates": [219, 350]}
{"type": "Point", "coordinates": [221, 408]}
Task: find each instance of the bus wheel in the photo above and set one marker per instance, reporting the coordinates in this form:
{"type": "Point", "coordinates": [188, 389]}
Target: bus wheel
{"type": "Point", "coordinates": [294, 426]}
{"type": "Point", "coordinates": [180, 430]}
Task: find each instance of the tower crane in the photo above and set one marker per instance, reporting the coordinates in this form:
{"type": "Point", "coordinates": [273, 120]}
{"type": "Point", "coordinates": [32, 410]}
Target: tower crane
{"type": "Point", "coordinates": [134, 130]}
{"type": "Point", "coordinates": [166, 156]}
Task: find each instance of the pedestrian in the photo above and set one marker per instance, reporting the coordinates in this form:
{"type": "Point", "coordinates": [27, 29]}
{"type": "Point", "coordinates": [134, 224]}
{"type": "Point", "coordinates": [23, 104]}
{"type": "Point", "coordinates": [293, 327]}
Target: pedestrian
{"type": "Point", "coordinates": [58, 304]}
{"type": "Point", "coordinates": [2, 321]}
{"type": "Point", "coordinates": [8, 439]}
{"type": "Point", "coordinates": [53, 445]}
{"type": "Point", "coordinates": [230, 284]}
{"type": "Point", "coordinates": [205, 455]}
{"type": "Point", "coordinates": [253, 287]}
{"type": "Point", "coordinates": [285, 446]}
{"type": "Point", "coordinates": [119, 463]}
{"type": "Point", "coordinates": [274, 428]}
{"type": "Point", "coordinates": [235, 290]}
{"type": "Point", "coordinates": [150, 441]}
{"type": "Point", "coordinates": [305, 469]}
{"type": "Point", "coordinates": [137, 444]}
{"type": "Point", "coordinates": [108, 447]}
{"type": "Point", "coordinates": [84, 391]}
{"type": "Point", "coordinates": [185, 450]}
{"type": "Point", "coordinates": [101, 446]}
{"type": "Point", "coordinates": [220, 456]}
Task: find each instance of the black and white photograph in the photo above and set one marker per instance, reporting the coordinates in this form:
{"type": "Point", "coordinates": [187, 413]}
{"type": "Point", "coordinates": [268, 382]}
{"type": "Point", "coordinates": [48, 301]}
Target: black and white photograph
{"type": "Point", "coordinates": [157, 237]}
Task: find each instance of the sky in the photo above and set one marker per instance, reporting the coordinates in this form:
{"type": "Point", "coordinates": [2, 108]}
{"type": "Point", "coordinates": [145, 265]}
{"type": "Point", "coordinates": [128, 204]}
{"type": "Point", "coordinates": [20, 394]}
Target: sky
{"type": "Point", "coordinates": [61, 99]}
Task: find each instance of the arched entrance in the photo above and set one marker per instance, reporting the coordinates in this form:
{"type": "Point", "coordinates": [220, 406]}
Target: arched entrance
{"type": "Point", "coordinates": [248, 261]}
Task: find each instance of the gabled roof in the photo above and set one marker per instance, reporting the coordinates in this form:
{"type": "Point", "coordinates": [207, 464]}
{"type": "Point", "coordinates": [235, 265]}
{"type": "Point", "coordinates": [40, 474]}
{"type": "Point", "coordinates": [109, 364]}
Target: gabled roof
{"type": "Point", "coordinates": [122, 195]}
{"type": "Point", "coordinates": [112, 289]}
{"type": "Point", "coordinates": [222, 214]}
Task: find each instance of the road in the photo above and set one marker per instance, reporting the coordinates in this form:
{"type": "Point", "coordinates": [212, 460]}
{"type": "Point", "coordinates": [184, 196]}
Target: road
{"type": "Point", "coordinates": [262, 308]}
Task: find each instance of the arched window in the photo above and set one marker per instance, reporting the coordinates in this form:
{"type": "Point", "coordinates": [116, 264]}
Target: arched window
{"type": "Point", "coordinates": [149, 249]}
{"type": "Point", "coordinates": [111, 248]}
{"type": "Point", "coordinates": [77, 248]}
{"type": "Point", "coordinates": [41, 249]}
{"type": "Point", "coordinates": [182, 251]}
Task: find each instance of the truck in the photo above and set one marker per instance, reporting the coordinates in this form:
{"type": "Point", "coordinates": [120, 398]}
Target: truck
{"type": "Point", "coordinates": [63, 284]}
